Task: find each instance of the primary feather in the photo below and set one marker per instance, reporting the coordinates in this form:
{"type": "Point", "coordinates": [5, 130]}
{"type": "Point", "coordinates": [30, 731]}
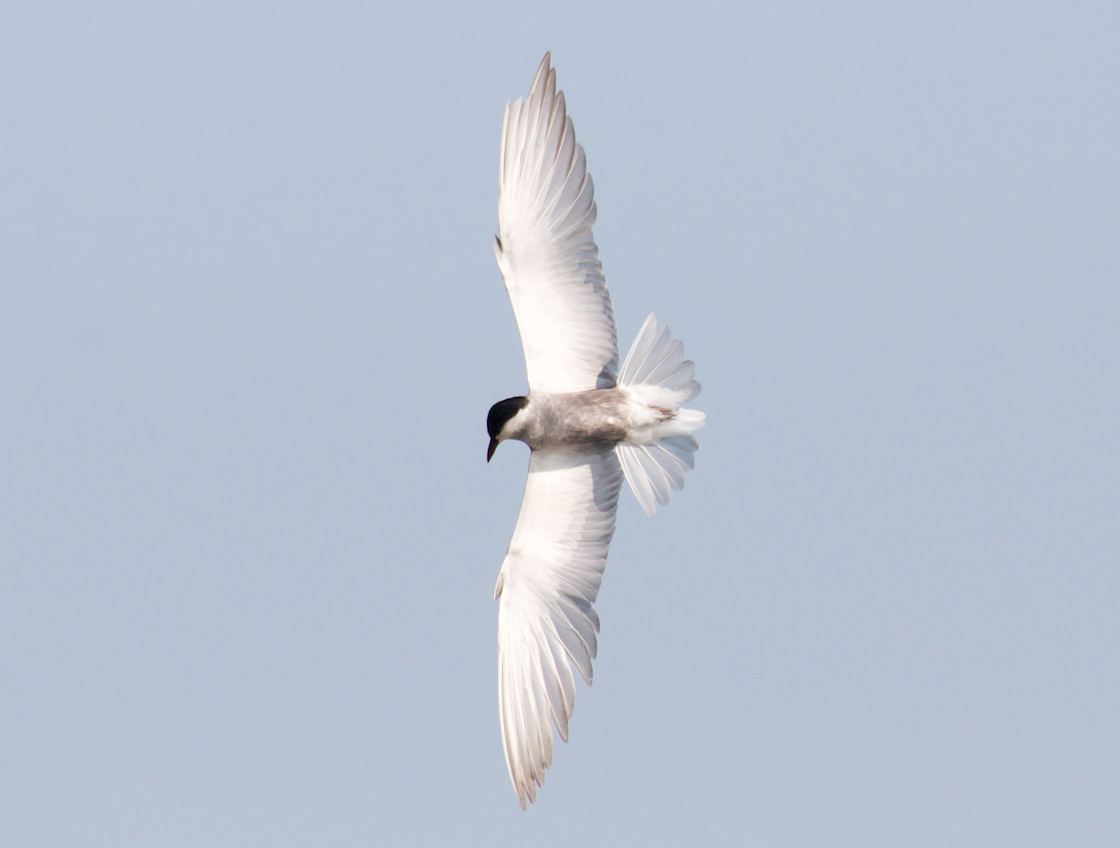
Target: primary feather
{"type": "Point", "coordinates": [548, 583]}
{"type": "Point", "coordinates": [545, 250]}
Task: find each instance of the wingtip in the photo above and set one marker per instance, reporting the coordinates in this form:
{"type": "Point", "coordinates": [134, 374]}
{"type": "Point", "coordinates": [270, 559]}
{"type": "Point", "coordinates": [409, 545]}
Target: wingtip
{"type": "Point", "coordinates": [543, 72]}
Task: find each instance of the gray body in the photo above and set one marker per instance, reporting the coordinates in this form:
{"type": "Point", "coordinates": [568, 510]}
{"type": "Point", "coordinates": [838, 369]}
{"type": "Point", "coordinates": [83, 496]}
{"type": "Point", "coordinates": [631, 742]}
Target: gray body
{"type": "Point", "coordinates": [556, 421]}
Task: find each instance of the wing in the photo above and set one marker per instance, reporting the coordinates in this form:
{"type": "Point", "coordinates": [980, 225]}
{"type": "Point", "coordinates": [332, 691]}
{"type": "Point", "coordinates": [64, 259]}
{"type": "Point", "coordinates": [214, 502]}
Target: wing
{"type": "Point", "coordinates": [545, 249]}
{"type": "Point", "coordinates": [548, 583]}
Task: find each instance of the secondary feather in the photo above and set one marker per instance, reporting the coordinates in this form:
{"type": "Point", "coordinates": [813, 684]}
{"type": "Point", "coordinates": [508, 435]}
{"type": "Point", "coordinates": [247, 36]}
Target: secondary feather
{"type": "Point", "coordinates": [545, 247]}
{"type": "Point", "coordinates": [546, 622]}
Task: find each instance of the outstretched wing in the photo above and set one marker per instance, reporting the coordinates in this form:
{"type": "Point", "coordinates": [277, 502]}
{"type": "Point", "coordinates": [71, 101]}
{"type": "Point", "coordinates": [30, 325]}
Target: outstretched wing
{"type": "Point", "coordinates": [548, 583]}
{"type": "Point", "coordinates": [545, 249]}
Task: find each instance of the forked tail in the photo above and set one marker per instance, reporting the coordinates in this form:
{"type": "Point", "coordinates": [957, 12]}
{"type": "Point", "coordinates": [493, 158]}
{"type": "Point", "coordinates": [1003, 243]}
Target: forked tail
{"type": "Point", "coordinates": [655, 459]}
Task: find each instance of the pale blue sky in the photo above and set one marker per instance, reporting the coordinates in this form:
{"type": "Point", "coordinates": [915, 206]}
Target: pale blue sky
{"type": "Point", "coordinates": [251, 324]}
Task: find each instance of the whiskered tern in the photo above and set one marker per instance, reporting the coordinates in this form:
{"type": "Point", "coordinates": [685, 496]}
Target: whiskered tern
{"type": "Point", "coordinates": [588, 422]}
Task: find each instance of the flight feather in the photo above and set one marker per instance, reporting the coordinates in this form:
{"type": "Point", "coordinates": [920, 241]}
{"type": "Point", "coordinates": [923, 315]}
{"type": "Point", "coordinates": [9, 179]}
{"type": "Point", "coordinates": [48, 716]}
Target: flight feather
{"type": "Point", "coordinates": [545, 247]}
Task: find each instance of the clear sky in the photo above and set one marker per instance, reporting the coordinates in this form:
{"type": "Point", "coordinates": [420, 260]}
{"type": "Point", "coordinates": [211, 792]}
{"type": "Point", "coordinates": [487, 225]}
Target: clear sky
{"type": "Point", "coordinates": [251, 325]}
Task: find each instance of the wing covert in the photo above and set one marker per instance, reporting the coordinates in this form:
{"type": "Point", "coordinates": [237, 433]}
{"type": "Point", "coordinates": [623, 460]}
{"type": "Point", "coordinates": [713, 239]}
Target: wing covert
{"type": "Point", "coordinates": [546, 250]}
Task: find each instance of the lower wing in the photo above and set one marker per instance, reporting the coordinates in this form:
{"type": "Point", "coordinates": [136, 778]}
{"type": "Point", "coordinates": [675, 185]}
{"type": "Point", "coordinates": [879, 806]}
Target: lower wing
{"type": "Point", "coordinates": [548, 583]}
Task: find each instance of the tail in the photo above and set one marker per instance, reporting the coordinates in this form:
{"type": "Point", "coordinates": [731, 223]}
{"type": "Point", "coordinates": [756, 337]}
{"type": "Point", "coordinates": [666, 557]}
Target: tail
{"type": "Point", "coordinates": [656, 374]}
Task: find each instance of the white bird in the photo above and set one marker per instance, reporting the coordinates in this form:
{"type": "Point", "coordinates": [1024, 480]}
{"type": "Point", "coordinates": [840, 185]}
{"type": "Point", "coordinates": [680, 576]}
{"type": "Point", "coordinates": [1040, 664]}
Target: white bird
{"type": "Point", "coordinates": [587, 422]}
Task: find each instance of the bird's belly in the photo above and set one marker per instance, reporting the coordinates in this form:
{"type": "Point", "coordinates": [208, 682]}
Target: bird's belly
{"type": "Point", "coordinates": [593, 417]}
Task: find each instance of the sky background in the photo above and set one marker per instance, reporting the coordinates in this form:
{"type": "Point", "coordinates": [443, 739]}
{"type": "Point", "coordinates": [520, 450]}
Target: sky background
{"type": "Point", "coordinates": [251, 325]}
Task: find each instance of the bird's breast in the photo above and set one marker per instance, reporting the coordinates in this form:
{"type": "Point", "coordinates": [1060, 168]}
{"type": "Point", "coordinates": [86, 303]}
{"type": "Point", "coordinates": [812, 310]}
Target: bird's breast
{"type": "Point", "coordinates": [598, 416]}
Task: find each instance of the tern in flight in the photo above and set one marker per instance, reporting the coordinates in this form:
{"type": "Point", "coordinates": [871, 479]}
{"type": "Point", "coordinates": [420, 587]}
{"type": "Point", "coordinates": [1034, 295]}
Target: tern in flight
{"type": "Point", "coordinates": [588, 422]}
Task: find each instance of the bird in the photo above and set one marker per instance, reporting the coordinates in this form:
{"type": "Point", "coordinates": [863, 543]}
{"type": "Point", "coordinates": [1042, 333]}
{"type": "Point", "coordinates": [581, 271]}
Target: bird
{"type": "Point", "coordinates": [589, 424]}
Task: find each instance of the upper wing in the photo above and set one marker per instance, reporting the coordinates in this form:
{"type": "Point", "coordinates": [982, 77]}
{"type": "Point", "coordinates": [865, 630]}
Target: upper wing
{"type": "Point", "coordinates": [545, 249]}
{"type": "Point", "coordinates": [548, 582]}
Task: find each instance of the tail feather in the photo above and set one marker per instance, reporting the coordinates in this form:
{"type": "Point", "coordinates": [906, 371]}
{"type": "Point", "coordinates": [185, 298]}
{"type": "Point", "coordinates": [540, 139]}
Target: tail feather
{"type": "Point", "coordinates": [656, 372]}
{"type": "Point", "coordinates": [657, 359]}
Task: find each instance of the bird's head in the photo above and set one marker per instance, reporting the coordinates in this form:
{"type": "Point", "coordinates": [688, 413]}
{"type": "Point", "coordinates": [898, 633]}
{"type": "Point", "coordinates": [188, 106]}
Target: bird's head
{"type": "Point", "coordinates": [500, 415]}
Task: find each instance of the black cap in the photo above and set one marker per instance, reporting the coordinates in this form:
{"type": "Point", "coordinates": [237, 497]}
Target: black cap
{"type": "Point", "coordinates": [500, 413]}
